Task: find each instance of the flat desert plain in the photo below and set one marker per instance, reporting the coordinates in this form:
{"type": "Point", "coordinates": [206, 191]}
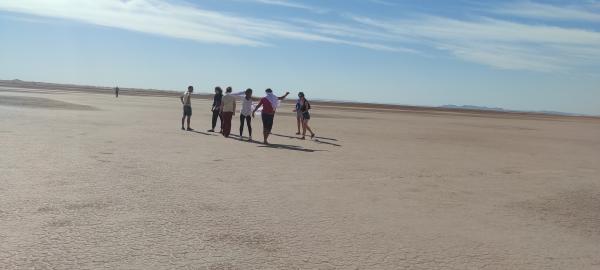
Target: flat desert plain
{"type": "Point", "coordinates": [89, 181]}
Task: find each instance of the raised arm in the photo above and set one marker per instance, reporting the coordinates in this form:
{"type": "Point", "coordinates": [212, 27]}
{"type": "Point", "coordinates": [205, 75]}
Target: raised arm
{"type": "Point", "coordinates": [284, 96]}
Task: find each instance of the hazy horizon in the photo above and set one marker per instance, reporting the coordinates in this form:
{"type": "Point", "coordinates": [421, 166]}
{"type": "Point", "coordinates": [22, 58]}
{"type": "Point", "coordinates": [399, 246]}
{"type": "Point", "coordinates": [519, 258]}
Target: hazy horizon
{"type": "Point", "coordinates": [240, 91]}
{"type": "Point", "coordinates": [517, 55]}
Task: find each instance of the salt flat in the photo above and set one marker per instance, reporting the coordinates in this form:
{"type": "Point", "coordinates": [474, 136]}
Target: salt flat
{"type": "Point", "coordinates": [88, 181]}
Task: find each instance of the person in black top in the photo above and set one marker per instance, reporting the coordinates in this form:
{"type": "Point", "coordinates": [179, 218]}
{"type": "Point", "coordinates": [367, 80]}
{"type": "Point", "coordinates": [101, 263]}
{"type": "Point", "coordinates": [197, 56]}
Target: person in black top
{"type": "Point", "coordinates": [216, 109]}
{"type": "Point", "coordinates": [304, 108]}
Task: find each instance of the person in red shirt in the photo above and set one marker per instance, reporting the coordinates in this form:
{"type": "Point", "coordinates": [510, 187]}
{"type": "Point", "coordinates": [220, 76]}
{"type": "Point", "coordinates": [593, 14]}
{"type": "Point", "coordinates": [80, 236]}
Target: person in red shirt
{"type": "Point", "coordinates": [269, 104]}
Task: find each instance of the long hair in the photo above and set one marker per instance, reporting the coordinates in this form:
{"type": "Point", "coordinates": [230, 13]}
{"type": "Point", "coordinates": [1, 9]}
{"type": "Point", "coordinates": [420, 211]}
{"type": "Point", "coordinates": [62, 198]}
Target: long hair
{"type": "Point", "coordinates": [303, 98]}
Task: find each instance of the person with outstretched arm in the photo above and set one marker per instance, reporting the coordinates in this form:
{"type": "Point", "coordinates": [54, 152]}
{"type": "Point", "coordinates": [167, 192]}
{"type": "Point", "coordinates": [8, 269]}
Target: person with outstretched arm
{"type": "Point", "coordinates": [269, 104]}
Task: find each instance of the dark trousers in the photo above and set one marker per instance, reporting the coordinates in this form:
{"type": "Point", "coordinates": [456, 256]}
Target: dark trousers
{"type": "Point", "coordinates": [267, 122]}
{"type": "Point", "coordinates": [216, 114]}
{"type": "Point", "coordinates": [227, 123]}
{"type": "Point", "coordinates": [248, 120]}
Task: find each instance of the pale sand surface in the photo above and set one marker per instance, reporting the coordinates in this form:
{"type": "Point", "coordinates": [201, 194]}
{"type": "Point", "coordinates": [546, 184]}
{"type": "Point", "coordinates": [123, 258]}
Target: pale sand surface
{"type": "Point", "coordinates": [88, 181]}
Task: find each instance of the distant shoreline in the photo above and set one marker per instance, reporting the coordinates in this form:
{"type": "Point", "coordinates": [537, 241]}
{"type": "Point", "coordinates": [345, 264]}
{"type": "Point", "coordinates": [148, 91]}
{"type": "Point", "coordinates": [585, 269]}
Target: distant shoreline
{"type": "Point", "coordinates": [124, 91]}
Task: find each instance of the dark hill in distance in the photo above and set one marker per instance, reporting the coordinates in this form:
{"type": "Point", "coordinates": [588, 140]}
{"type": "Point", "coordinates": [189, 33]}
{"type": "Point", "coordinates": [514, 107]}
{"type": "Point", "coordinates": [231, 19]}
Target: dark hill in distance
{"type": "Point", "coordinates": [497, 109]}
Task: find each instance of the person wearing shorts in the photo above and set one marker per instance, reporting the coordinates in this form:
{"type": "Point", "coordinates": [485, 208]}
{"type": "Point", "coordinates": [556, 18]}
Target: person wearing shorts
{"type": "Point", "coordinates": [186, 100]}
{"type": "Point", "coordinates": [304, 108]}
{"type": "Point", "coordinates": [269, 105]}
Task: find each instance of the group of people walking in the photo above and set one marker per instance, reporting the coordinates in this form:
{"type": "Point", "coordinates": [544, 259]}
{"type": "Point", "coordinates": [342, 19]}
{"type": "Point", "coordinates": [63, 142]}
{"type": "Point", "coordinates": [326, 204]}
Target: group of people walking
{"type": "Point", "coordinates": [224, 108]}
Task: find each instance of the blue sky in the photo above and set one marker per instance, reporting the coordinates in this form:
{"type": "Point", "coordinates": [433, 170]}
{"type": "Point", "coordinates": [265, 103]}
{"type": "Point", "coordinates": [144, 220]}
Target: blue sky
{"type": "Point", "coordinates": [526, 55]}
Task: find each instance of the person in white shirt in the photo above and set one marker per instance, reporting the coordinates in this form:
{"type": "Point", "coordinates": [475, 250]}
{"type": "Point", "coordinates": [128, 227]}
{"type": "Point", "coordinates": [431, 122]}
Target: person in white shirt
{"type": "Point", "coordinates": [246, 114]}
{"type": "Point", "coordinates": [228, 111]}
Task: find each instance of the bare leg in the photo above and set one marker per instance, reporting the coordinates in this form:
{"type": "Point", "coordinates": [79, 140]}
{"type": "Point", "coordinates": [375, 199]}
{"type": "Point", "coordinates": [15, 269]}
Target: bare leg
{"type": "Point", "coordinates": [312, 134]}
{"type": "Point", "coordinates": [189, 118]}
{"type": "Point", "coordinates": [303, 129]}
{"type": "Point", "coordinates": [306, 127]}
{"type": "Point", "coordinates": [182, 121]}
{"type": "Point", "coordinates": [299, 123]}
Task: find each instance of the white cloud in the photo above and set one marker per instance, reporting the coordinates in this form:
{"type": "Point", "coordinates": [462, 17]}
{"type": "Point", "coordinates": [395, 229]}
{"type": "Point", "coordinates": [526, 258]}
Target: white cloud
{"type": "Point", "coordinates": [493, 42]}
{"type": "Point", "coordinates": [160, 17]}
{"type": "Point", "coordinates": [545, 11]}
{"type": "Point", "coordinates": [356, 32]}
{"type": "Point", "coordinates": [498, 43]}
{"type": "Point", "coordinates": [290, 4]}
{"type": "Point", "coordinates": [155, 17]}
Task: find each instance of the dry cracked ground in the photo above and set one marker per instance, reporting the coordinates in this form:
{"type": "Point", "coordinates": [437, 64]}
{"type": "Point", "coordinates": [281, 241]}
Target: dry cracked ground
{"type": "Point", "coordinates": [88, 181]}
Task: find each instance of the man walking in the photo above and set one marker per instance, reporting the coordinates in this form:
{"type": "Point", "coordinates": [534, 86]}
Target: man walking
{"type": "Point", "coordinates": [228, 111]}
{"type": "Point", "coordinates": [186, 100]}
{"type": "Point", "coordinates": [269, 104]}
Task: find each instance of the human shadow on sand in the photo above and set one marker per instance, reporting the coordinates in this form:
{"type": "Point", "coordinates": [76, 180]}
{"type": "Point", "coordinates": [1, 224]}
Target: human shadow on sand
{"type": "Point", "coordinates": [203, 133]}
{"type": "Point", "coordinates": [275, 145]}
{"type": "Point", "coordinates": [317, 139]}
{"type": "Point", "coordinates": [325, 138]}
{"type": "Point", "coordinates": [289, 147]}
{"type": "Point", "coordinates": [328, 143]}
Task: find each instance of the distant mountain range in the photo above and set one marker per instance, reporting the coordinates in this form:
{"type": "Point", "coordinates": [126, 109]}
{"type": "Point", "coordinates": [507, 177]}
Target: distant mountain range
{"type": "Point", "coordinates": [497, 109]}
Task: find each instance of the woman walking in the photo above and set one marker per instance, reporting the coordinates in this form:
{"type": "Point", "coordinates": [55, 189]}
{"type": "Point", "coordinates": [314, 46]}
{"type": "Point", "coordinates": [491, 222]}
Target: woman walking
{"type": "Point", "coordinates": [216, 109]}
{"type": "Point", "coordinates": [246, 114]}
{"type": "Point", "coordinates": [304, 108]}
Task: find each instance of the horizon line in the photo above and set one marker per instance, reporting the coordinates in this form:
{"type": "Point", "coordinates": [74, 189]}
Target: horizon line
{"type": "Point", "coordinates": [444, 107]}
